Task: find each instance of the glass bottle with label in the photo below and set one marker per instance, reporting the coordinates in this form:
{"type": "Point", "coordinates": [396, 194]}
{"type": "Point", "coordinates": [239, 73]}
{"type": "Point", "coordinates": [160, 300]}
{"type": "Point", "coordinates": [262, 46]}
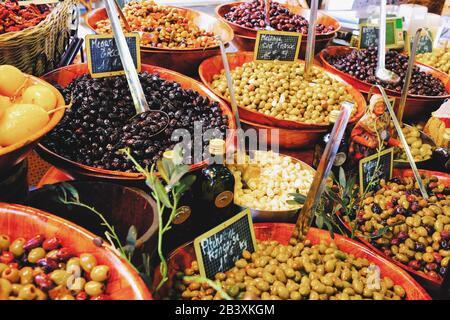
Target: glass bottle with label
{"type": "Point", "coordinates": [184, 224]}
{"type": "Point", "coordinates": [216, 186]}
{"type": "Point", "coordinates": [341, 156]}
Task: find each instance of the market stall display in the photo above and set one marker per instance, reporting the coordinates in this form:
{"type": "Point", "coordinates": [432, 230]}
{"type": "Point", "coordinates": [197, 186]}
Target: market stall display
{"type": "Point", "coordinates": [188, 38]}
{"type": "Point", "coordinates": [290, 273]}
{"type": "Point", "coordinates": [284, 17]}
{"type": "Point", "coordinates": [100, 135]}
{"type": "Point", "coordinates": [50, 245]}
{"type": "Point", "coordinates": [212, 220]}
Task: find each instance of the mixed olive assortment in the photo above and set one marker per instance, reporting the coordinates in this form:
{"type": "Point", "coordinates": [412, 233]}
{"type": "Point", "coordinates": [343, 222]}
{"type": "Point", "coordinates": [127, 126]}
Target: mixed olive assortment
{"type": "Point", "coordinates": [281, 91]}
{"type": "Point", "coordinates": [419, 229]}
{"type": "Point", "coordinates": [362, 64]}
{"type": "Point", "coordinates": [102, 120]}
{"type": "Point", "coordinates": [419, 149]}
{"type": "Point", "coordinates": [251, 14]}
{"type": "Point", "coordinates": [439, 58]}
{"type": "Point", "coordinates": [162, 26]}
{"type": "Point", "coordinates": [43, 269]}
{"type": "Point", "coordinates": [295, 272]}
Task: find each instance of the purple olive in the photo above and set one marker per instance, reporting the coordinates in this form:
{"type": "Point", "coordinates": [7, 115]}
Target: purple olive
{"type": "Point", "coordinates": [34, 242]}
{"type": "Point", "coordinates": [47, 264]}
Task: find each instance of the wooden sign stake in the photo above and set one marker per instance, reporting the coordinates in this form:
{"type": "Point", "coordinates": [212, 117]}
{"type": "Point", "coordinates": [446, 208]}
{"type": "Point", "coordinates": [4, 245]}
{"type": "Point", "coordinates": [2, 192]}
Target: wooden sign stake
{"type": "Point", "coordinates": [311, 41]}
{"type": "Point", "coordinates": [326, 162]}
{"type": "Point", "coordinates": [140, 102]}
{"type": "Point", "coordinates": [412, 59]}
{"type": "Point", "coordinates": [423, 191]}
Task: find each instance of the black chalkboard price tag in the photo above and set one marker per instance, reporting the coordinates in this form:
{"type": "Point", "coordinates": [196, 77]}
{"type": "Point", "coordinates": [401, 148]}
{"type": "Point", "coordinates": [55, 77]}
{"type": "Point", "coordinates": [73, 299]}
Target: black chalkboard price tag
{"type": "Point", "coordinates": [103, 56]}
{"type": "Point", "coordinates": [367, 168]}
{"type": "Point", "coordinates": [218, 249]}
{"type": "Point", "coordinates": [277, 45]}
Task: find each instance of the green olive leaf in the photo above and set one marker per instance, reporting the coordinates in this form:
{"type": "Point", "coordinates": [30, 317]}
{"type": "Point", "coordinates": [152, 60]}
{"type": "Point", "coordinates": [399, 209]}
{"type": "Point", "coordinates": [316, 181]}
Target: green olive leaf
{"type": "Point", "coordinates": [342, 180]}
{"type": "Point", "coordinates": [162, 170]}
{"type": "Point", "coordinates": [161, 193]}
{"type": "Point", "coordinates": [132, 236]}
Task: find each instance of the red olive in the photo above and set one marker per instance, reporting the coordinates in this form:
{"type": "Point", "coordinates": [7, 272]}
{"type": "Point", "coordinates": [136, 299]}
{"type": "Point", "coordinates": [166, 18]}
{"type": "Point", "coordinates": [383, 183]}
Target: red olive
{"type": "Point", "coordinates": [101, 297]}
{"type": "Point", "coordinates": [431, 266]}
{"type": "Point", "coordinates": [43, 281]}
{"type": "Point", "coordinates": [64, 254]}
{"type": "Point", "coordinates": [34, 242]}
{"type": "Point", "coordinates": [81, 296]}
{"type": "Point", "coordinates": [445, 234]}
{"type": "Point", "coordinates": [51, 244]}
{"type": "Point", "coordinates": [6, 257]}
{"type": "Point", "coordinates": [414, 264]}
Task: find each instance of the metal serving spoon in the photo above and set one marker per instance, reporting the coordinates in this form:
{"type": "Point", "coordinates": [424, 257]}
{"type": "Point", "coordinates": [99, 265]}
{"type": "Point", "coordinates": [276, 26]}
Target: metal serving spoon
{"type": "Point", "coordinates": [382, 73]}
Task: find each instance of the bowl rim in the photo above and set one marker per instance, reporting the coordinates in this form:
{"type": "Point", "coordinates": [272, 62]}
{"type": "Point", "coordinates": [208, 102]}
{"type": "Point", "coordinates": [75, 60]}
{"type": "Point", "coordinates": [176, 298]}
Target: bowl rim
{"type": "Point", "coordinates": [55, 118]}
{"type": "Point", "coordinates": [405, 172]}
{"type": "Point", "coordinates": [135, 281]}
{"type": "Point", "coordinates": [390, 92]}
{"type": "Point", "coordinates": [295, 125]}
{"type": "Point", "coordinates": [223, 25]}
{"type": "Point", "coordinates": [122, 175]}
{"type": "Point", "coordinates": [230, 5]}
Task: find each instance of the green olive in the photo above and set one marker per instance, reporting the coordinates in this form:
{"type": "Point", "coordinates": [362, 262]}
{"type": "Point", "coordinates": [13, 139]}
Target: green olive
{"type": "Point", "coordinates": [27, 292]}
{"type": "Point", "coordinates": [66, 297]}
{"type": "Point", "coordinates": [5, 288]}
{"type": "Point", "coordinates": [4, 242]}
{"type": "Point", "coordinates": [87, 261]}
{"type": "Point", "coordinates": [16, 247]}
{"type": "Point", "coordinates": [35, 254]}
{"type": "Point", "coordinates": [11, 274]}
{"type": "Point", "coordinates": [94, 288]}
{"type": "Point", "coordinates": [59, 277]}
{"type": "Point", "coordinates": [26, 275]}
{"type": "Point", "coordinates": [3, 266]}
{"type": "Point", "coordinates": [100, 273]}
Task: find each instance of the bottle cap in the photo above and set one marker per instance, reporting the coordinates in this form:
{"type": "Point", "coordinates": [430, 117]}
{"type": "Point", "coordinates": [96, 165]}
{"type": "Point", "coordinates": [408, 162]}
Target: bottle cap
{"type": "Point", "coordinates": [217, 146]}
{"type": "Point", "coordinates": [333, 116]}
{"type": "Point", "coordinates": [169, 154]}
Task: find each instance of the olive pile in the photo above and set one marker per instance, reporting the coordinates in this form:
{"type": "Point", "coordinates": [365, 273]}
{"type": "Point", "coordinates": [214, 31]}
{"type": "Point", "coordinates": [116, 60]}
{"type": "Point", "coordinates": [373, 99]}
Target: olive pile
{"type": "Point", "coordinates": [162, 26]}
{"type": "Point", "coordinates": [439, 58]}
{"type": "Point", "coordinates": [300, 272]}
{"type": "Point", "coordinates": [252, 15]}
{"type": "Point", "coordinates": [419, 233]}
{"type": "Point", "coordinates": [281, 91]}
{"type": "Point", "coordinates": [362, 65]}
{"type": "Point", "coordinates": [101, 120]}
{"type": "Point", "coordinates": [41, 269]}
{"type": "Point", "coordinates": [419, 149]}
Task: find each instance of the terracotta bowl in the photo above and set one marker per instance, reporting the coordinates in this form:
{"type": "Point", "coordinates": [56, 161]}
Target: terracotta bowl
{"type": "Point", "coordinates": [287, 138]}
{"type": "Point", "coordinates": [417, 107]}
{"type": "Point", "coordinates": [13, 154]}
{"type": "Point", "coordinates": [322, 18]}
{"type": "Point", "coordinates": [65, 75]}
{"type": "Point", "coordinates": [183, 60]}
{"type": "Point", "coordinates": [124, 207]}
{"type": "Point", "coordinates": [281, 232]}
{"type": "Point", "coordinates": [214, 65]}
{"type": "Point", "coordinates": [426, 280]}
{"type": "Point", "coordinates": [20, 221]}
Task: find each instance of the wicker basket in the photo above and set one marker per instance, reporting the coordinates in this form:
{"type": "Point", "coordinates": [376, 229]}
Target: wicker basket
{"type": "Point", "coordinates": [38, 49]}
